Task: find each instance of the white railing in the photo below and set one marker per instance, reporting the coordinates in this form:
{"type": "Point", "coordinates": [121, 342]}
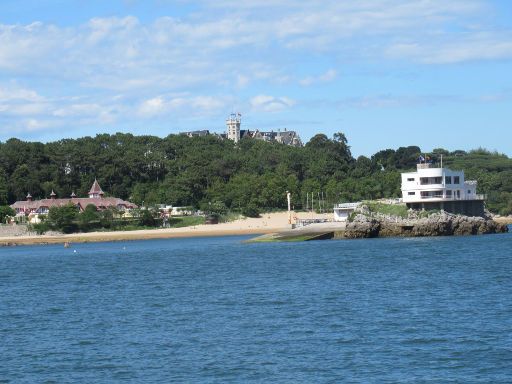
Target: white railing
{"type": "Point", "coordinates": [305, 222]}
{"type": "Point", "coordinates": [347, 205]}
{"type": "Point", "coordinates": [440, 197]}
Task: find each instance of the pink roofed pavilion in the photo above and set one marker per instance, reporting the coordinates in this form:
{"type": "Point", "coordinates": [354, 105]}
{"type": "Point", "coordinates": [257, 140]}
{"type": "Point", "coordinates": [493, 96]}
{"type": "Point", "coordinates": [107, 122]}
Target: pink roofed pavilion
{"type": "Point", "coordinates": [96, 198]}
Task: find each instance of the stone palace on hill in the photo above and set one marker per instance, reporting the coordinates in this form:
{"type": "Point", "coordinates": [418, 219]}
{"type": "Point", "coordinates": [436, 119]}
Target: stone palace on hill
{"type": "Point", "coordinates": [234, 133]}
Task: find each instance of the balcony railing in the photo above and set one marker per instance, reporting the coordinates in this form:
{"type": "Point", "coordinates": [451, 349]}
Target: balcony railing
{"type": "Point", "coordinates": [471, 197]}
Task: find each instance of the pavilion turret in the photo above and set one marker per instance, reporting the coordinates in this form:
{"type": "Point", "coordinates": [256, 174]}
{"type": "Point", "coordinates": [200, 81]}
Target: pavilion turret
{"type": "Point", "coordinates": [29, 197]}
{"type": "Point", "coordinates": [95, 191]}
{"type": "Point", "coordinates": [73, 195]}
{"type": "Point", "coordinates": [53, 195]}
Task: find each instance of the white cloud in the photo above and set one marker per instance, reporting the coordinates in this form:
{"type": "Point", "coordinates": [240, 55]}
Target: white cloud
{"type": "Point", "coordinates": [461, 48]}
{"type": "Point", "coordinates": [326, 77]}
{"type": "Point", "coordinates": [19, 101]}
{"type": "Point", "coordinates": [12, 92]}
{"type": "Point", "coordinates": [152, 107]}
{"type": "Point", "coordinates": [80, 110]}
{"type": "Point", "coordinates": [30, 111]}
{"type": "Point", "coordinates": [122, 53]}
{"type": "Point", "coordinates": [121, 68]}
{"type": "Point", "coordinates": [196, 105]}
{"type": "Point", "coordinates": [35, 125]}
{"type": "Point", "coordinates": [270, 103]}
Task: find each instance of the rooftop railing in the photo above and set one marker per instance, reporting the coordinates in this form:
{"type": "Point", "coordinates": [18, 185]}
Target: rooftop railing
{"type": "Point", "coordinates": [347, 205]}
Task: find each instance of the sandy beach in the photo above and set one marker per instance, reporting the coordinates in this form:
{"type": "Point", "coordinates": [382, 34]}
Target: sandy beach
{"type": "Point", "coordinates": [267, 223]}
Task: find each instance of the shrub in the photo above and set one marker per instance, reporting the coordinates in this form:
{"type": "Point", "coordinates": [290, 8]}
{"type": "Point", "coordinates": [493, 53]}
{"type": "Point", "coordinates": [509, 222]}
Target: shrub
{"type": "Point", "coordinates": [63, 218]}
{"type": "Point", "coordinates": [40, 228]}
{"type": "Point", "coordinates": [89, 218]}
{"type": "Point", "coordinates": [147, 218]}
{"type": "Point", "coordinates": [6, 211]}
{"type": "Point", "coordinates": [251, 210]}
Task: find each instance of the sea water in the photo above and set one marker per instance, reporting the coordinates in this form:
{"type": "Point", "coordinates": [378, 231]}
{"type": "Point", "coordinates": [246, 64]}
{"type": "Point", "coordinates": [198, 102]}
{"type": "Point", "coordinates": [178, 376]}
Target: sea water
{"type": "Point", "coordinates": [408, 310]}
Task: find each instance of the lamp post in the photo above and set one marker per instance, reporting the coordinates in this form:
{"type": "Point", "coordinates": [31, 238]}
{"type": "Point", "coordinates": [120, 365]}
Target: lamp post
{"type": "Point", "coordinates": [289, 198]}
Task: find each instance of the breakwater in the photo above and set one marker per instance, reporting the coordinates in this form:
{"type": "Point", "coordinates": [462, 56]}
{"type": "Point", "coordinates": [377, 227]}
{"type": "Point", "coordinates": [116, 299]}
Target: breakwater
{"type": "Point", "coordinates": [438, 224]}
{"type": "Point", "coordinates": [365, 225]}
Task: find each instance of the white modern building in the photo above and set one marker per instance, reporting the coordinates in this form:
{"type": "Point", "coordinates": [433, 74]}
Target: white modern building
{"type": "Point", "coordinates": [432, 187]}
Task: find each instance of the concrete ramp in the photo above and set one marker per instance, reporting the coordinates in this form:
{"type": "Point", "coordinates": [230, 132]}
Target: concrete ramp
{"type": "Point", "coordinates": [319, 231]}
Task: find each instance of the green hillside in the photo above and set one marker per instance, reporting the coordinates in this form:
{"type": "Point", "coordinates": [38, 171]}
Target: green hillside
{"type": "Point", "coordinates": [208, 171]}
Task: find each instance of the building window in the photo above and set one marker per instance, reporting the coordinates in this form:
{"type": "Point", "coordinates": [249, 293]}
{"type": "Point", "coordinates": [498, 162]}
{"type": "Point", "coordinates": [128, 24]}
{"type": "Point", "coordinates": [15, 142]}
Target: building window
{"type": "Point", "coordinates": [410, 179]}
{"type": "Point", "coordinates": [469, 192]}
{"type": "Point", "coordinates": [412, 193]}
{"type": "Point", "coordinates": [447, 179]}
{"type": "Point", "coordinates": [431, 194]}
{"type": "Point", "coordinates": [449, 193]}
{"type": "Point", "coordinates": [430, 180]}
{"type": "Point", "coordinates": [456, 180]}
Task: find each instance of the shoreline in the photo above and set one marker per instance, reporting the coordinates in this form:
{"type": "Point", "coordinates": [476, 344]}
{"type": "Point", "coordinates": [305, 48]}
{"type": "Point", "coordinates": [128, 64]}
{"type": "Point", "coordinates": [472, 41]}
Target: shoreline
{"type": "Point", "coordinates": [265, 224]}
{"type": "Point", "coordinates": [98, 237]}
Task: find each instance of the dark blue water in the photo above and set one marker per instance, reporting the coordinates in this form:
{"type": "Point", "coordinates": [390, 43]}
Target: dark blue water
{"type": "Point", "coordinates": [216, 310]}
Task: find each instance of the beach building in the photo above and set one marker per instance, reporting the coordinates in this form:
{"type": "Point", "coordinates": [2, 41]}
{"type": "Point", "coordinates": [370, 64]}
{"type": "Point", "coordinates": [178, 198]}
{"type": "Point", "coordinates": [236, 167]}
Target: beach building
{"type": "Point", "coordinates": [96, 198]}
{"type": "Point", "coordinates": [438, 188]}
{"type": "Point", "coordinates": [344, 210]}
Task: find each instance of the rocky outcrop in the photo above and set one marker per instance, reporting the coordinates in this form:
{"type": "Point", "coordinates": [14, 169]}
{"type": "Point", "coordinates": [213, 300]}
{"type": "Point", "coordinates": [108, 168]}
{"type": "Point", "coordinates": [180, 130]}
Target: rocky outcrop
{"type": "Point", "coordinates": [362, 227]}
{"type": "Point", "coordinates": [438, 224]}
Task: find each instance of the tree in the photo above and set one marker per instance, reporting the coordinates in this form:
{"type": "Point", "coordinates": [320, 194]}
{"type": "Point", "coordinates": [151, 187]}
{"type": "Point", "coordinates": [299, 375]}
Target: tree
{"type": "Point", "coordinates": [251, 210]}
{"type": "Point", "coordinates": [63, 218]}
{"type": "Point", "coordinates": [3, 188]}
{"type": "Point", "coordinates": [89, 218]}
{"type": "Point", "coordinates": [147, 218]}
{"type": "Point", "coordinates": [192, 171]}
{"type": "Point", "coordinates": [6, 211]}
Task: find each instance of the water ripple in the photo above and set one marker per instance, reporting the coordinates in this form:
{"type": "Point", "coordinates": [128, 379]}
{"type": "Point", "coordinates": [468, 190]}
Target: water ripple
{"type": "Point", "coordinates": [217, 310]}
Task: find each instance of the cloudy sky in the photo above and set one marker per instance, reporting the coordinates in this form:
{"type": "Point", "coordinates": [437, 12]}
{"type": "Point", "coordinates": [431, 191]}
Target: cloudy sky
{"type": "Point", "coordinates": [387, 73]}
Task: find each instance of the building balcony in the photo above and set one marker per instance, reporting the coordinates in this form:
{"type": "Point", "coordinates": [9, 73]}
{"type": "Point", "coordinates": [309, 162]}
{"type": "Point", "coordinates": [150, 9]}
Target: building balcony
{"type": "Point", "coordinates": [449, 198]}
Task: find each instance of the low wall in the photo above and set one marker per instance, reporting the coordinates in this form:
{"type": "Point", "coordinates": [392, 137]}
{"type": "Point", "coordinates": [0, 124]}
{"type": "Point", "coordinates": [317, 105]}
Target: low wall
{"type": "Point", "coordinates": [8, 230]}
{"type": "Point", "coordinates": [457, 207]}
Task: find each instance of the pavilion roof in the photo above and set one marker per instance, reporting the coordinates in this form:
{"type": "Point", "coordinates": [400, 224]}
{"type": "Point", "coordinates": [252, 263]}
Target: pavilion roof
{"type": "Point", "coordinates": [95, 188]}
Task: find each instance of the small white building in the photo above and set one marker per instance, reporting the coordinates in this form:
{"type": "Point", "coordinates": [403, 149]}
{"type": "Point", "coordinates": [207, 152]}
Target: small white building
{"type": "Point", "coordinates": [169, 210]}
{"type": "Point", "coordinates": [344, 210]}
{"type": "Point", "coordinates": [432, 187]}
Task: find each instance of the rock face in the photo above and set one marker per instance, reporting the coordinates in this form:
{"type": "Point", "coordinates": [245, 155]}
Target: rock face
{"type": "Point", "coordinates": [362, 227]}
{"type": "Point", "coordinates": [438, 224]}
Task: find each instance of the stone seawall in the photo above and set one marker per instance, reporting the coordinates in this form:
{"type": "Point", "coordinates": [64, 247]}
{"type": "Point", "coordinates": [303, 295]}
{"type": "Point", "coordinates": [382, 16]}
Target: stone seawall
{"type": "Point", "coordinates": [440, 224]}
{"type": "Point", "coordinates": [13, 230]}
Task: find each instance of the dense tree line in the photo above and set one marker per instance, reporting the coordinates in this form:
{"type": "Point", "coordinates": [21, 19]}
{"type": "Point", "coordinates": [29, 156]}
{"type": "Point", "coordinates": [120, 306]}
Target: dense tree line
{"type": "Point", "coordinates": [208, 171]}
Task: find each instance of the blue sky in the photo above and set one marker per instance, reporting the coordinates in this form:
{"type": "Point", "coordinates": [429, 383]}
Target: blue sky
{"type": "Point", "coordinates": [387, 73]}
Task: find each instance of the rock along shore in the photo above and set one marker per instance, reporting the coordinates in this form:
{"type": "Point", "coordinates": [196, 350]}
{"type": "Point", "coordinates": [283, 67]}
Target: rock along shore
{"type": "Point", "coordinates": [437, 224]}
